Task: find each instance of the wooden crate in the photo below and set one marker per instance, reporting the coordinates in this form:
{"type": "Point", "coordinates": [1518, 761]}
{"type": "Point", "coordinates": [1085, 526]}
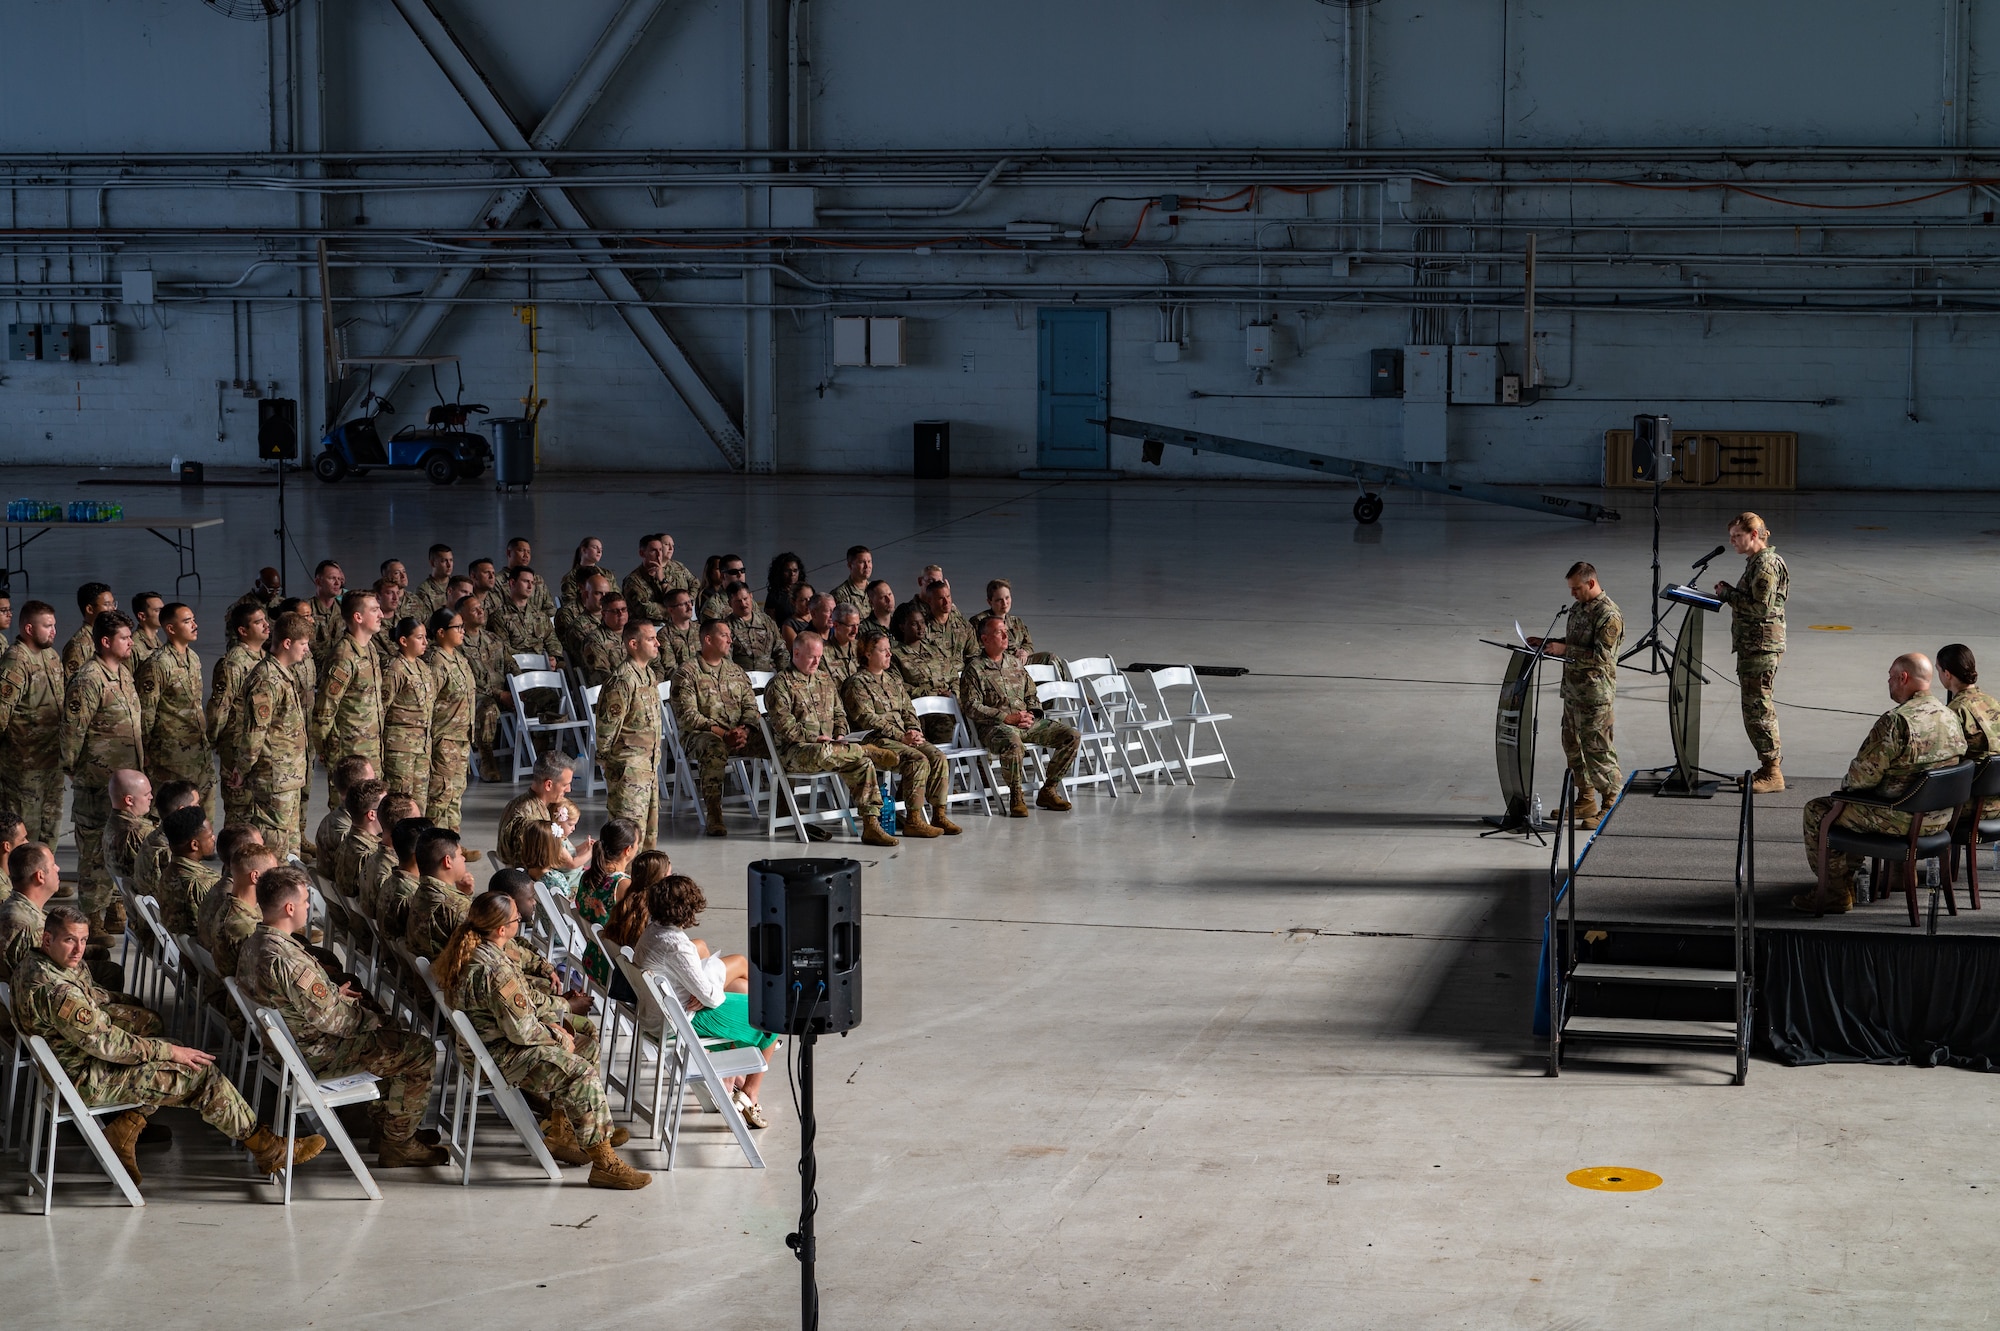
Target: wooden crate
{"type": "Point", "coordinates": [1713, 460]}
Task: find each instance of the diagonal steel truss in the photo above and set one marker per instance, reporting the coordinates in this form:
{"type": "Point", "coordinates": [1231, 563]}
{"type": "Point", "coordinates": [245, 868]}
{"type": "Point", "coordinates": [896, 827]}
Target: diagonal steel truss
{"type": "Point", "coordinates": [554, 131]}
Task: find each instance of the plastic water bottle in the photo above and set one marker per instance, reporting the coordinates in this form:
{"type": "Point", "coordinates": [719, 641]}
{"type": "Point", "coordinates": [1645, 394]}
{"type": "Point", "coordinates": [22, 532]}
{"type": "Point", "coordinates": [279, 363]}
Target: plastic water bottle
{"type": "Point", "coordinates": [888, 807]}
{"type": "Point", "coordinates": [175, 465]}
{"type": "Point", "coordinates": [1535, 812]}
{"type": "Point", "coordinates": [1862, 883]}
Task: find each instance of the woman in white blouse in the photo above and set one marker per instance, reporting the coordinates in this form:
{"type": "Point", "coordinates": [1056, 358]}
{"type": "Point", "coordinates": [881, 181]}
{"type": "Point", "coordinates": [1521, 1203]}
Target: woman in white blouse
{"type": "Point", "coordinates": [716, 989]}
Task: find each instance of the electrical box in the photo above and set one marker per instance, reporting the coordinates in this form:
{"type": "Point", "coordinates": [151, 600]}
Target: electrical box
{"type": "Point", "coordinates": [1257, 346]}
{"type": "Point", "coordinates": [62, 342]}
{"type": "Point", "coordinates": [1475, 375]}
{"type": "Point", "coordinates": [850, 341]}
{"type": "Point", "coordinates": [1424, 373]}
{"type": "Point", "coordinates": [137, 287]}
{"type": "Point", "coordinates": [104, 344]}
{"type": "Point", "coordinates": [1166, 352]}
{"type": "Point", "coordinates": [794, 207]}
{"type": "Point", "coordinates": [1510, 390]}
{"type": "Point", "coordinates": [885, 342]}
{"type": "Point", "coordinates": [1385, 372]}
{"type": "Point", "coordinates": [24, 341]}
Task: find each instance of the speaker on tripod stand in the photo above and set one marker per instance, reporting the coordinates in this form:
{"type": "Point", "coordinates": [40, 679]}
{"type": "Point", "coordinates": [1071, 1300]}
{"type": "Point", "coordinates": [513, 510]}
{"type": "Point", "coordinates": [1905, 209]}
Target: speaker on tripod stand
{"type": "Point", "coordinates": [1652, 460]}
{"type": "Point", "coordinates": [805, 981]}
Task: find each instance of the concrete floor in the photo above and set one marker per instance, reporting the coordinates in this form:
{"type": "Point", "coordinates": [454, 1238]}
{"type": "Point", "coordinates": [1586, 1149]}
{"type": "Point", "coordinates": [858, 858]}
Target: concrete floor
{"type": "Point", "coordinates": [1251, 1054]}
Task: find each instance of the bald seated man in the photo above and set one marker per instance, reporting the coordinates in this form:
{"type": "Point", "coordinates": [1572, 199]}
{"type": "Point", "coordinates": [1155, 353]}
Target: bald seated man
{"type": "Point", "coordinates": [1916, 735]}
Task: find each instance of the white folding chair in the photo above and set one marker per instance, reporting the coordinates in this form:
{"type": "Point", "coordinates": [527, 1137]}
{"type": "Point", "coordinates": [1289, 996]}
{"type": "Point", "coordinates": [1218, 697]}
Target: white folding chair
{"type": "Point", "coordinates": [965, 757]}
{"type": "Point", "coordinates": [587, 768]}
{"type": "Point", "coordinates": [255, 1064]}
{"type": "Point", "coordinates": [478, 1077]}
{"type": "Point", "coordinates": [578, 934]}
{"type": "Point", "coordinates": [1042, 674]}
{"type": "Point", "coordinates": [759, 678]}
{"type": "Point", "coordinates": [675, 776]}
{"type": "Point", "coordinates": [57, 1102]}
{"type": "Point", "coordinates": [648, 1025]}
{"type": "Point", "coordinates": [1097, 750]}
{"type": "Point", "coordinates": [526, 661]}
{"type": "Point", "coordinates": [815, 786]}
{"type": "Point", "coordinates": [299, 1091]}
{"type": "Point", "coordinates": [11, 1082]}
{"type": "Point", "coordinates": [204, 1015]}
{"type": "Point", "coordinates": [1194, 716]}
{"type": "Point", "coordinates": [526, 728]}
{"type": "Point", "coordinates": [167, 964]}
{"type": "Point", "coordinates": [1088, 667]}
{"type": "Point", "coordinates": [1133, 731]}
{"type": "Point", "coordinates": [695, 1064]}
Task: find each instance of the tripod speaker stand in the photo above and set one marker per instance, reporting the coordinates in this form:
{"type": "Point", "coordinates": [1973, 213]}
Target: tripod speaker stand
{"type": "Point", "coordinates": [1652, 459]}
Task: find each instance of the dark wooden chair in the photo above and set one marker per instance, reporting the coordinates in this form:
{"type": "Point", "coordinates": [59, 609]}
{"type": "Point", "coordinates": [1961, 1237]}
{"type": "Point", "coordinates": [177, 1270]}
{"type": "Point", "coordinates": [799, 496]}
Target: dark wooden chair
{"type": "Point", "coordinates": [1935, 791]}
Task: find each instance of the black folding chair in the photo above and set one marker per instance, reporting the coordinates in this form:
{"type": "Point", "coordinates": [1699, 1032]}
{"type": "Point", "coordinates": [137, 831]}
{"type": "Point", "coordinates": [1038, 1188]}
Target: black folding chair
{"type": "Point", "coordinates": [1935, 791]}
{"type": "Point", "coordinates": [1970, 831]}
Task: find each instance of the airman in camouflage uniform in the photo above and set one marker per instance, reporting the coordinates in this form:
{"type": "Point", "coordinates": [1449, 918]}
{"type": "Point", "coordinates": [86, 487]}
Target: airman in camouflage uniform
{"type": "Point", "coordinates": [930, 667]}
{"type": "Point", "coordinates": [336, 1031]}
{"type": "Point", "coordinates": [100, 734]}
{"type": "Point", "coordinates": [876, 701]}
{"type": "Point", "coordinates": [592, 550]}
{"type": "Point", "coordinates": [680, 635]}
{"type": "Point", "coordinates": [184, 887]}
{"type": "Point", "coordinates": [437, 908]}
{"type": "Point", "coordinates": [434, 592]}
{"type": "Point", "coordinates": [92, 599]}
{"type": "Point", "coordinates": [487, 656]}
{"type": "Point", "coordinates": [347, 718]}
{"type": "Point", "coordinates": [579, 615]}
{"type": "Point", "coordinates": [860, 572]}
{"type": "Point", "coordinates": [409, 697]}
{"type": "Point", "coordinates": [999, 701]}
{"type": "Point", "coordinates": [249, 630]}
{"type": "Point", "coordinates": [809, 724]}
{"type": "Point", "coordinates": [1589, 652]}
{"type": "Point", "coordinates": [329, 627]}
{"type": "Point", "coordinates": [545, 1058]}
{"type": "Point", "coordinates": [842, 657]}
{"type": "Point", "coordinates": [31, 712]}
{"type": "Point", "coordinates": [628, 736]}
{"type": "Point", "coordinates": [716, 711]}
{"type": "Point", "coordinates": [1757, 637]}
{"type": "Point", "coordinates": [271, 763]}
{"type": "Point", "coordinates": [170, 702]}
{"type": "Point", "coordinates": [1978, 712]}
{"type": "Point", "coordinates": [659, 573]}
{"type": "Point", "coordinates": [600, 644]}
{"type": "Point", "coordinates": [454, 707]}
{"type": "Point", "coordinates": [223, 927]}
{"type": "Point", "coordinates": [112, 1054]}
{"type": "Point", "coordinates": [754, 640]}
{"type": "Point", "coordinates": [1919, 733]}
{"type": "Point", "coordinates": [942, 620]}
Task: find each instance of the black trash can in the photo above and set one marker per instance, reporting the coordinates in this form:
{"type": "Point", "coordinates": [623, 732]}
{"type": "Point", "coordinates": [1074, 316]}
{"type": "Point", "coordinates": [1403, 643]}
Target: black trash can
{"type": "Point", "coordinates": [933, 460]}
{"type": "Point", "coordinates": [513, 450]}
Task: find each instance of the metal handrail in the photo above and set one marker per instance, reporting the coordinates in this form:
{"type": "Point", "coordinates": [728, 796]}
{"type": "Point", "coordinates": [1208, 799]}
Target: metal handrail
{"type": "Point", "coordinates": [1745, 923]}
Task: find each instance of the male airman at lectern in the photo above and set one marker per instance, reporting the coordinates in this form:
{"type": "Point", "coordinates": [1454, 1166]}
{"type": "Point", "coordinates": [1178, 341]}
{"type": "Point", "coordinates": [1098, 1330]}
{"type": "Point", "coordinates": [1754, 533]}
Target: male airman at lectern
{"type": "Point", "coordinates": [1589, 652]}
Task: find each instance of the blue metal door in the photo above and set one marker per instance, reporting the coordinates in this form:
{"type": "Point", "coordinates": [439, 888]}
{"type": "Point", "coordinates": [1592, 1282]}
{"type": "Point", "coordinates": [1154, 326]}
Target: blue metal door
{"type": "Point", "coordinates": [1075, 388]}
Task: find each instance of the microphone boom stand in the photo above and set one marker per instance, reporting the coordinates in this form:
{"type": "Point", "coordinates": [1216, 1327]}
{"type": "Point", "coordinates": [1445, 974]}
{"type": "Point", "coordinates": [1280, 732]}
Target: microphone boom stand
{"type": "Point", "coordinates": [1657, 659]}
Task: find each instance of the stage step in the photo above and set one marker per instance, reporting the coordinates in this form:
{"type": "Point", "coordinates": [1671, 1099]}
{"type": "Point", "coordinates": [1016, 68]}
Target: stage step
{"type": "Point", "coordinates": [1689, 976]}
{"type": "Point", "coordinates": [1645, 1030]}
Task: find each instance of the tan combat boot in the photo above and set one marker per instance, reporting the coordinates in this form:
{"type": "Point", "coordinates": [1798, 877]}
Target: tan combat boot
{"type": "Point", "coordinates": [99, 935]}
{"type": "Point", "coordinates": [711, 806]}
{"type": "Point", "coordinates": [267, 1149]}
{"type": "Point", "coordinates": [608, 1171]}
{"type": "Point", "coordinates": [1017, 804]}
{"type": "Point", "coordinates": [122, 1133]}
{"type": "Point", "coordinates": [1584, 813]}
{"type": "Point", "coordinates": [872, 833]}
{"type": "Point", "coordinates": [942, 822]}
{"type": "Point", "coordinates": [914, 824]}
{"type": "Point", "coordinates": [1051, 797]}
{"type": "Point", "coordinates": [409, 1153]}
{"type": "Point", "coordinates": [472, 856]}
{"type": "Point", "coordinates": [1767, 779]}
{"type": "Point", "coordinates": [114, 918]}
{"type": "Point", "coordinates": [560, 1138]}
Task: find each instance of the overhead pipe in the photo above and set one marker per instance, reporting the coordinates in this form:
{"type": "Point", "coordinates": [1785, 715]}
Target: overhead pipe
{"type": "Point", "coordinates": [952, 210]}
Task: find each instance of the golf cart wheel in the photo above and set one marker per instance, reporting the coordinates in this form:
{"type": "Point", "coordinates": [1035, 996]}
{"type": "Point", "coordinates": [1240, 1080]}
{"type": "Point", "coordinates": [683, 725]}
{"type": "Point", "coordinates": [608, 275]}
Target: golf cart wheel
{"type": "Point", "coordinates": [329, 466]}
{"type": "Point", "coordinates": [441, 469]}
{"type": "Point", "coordinates": [1368, 509]}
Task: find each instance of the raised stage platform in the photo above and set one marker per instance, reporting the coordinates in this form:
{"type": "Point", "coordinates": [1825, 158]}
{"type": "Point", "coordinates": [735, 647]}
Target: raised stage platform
{"type": "Point", "coordinates": [1656, 885]}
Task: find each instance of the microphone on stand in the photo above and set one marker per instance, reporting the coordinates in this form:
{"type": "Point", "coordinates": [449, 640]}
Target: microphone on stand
{"type": "Point", "coordinates": [1702, 563]}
